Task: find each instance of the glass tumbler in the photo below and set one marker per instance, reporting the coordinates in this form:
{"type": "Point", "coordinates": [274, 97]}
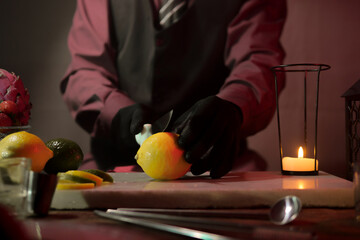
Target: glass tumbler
{"type": "Point", "coordinates": [14, 183]}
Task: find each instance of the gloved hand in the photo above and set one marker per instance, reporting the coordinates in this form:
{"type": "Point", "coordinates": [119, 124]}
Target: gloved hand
{"type": "Point", "coordinates": [121, 148]}
{"type": "Point", "coordinates": [129, 121]}
{"type": "Point", "coordinates": [209, 134]}
{"type": "Point", "coordinates": [141, 116]}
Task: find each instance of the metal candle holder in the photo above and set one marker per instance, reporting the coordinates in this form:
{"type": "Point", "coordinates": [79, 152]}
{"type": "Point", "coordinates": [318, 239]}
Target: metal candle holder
{"type": "Point", "coordinates": [352, 128]}
{"type": "Point", "coordinates": [304, 68]}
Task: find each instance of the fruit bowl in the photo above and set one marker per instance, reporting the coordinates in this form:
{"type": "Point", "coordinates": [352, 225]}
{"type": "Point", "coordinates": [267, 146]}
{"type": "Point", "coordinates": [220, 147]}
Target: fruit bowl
{"type": "Point", "coordinates": [4, 131]}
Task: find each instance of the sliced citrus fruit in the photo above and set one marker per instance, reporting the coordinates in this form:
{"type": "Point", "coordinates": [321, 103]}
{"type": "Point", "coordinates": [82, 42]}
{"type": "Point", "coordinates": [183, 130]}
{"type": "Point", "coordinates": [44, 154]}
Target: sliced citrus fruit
{"type": "Point", "coordinates": [106, 183]}
{"type": "Point", "coordinates": [86, 175]}
{"type": "Point", "coordinates": [65, 181]}
{"type": "Point", "coordinates": [105, 176]}
{"type": "Point", "coordinates": [69, 186]}
{"type": "Point", "coordinates": [68, 178]}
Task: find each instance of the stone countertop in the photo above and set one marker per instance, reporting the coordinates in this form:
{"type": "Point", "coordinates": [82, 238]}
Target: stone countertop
{"type": "Point", "coordinates": [235, 190]}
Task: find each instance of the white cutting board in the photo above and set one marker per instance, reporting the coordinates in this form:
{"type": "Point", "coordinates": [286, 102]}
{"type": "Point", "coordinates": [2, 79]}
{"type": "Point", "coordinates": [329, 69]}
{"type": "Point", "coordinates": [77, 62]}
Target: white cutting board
{"type": "Point", "coordinates": [235, 190]}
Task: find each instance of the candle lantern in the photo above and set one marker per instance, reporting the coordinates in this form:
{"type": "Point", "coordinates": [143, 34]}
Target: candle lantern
{"type": "Point", "coordinates": [297, 119]}
{"type": "Point", "coordinates": [352, 127]}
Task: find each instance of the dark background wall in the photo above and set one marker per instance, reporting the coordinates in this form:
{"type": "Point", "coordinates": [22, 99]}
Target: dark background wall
{"type": "Point", "coordinates": [33, 44]}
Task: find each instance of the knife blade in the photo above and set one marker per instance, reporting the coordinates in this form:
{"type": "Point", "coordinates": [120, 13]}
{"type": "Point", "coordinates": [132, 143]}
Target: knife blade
{"type": "Point", "coordinates": [159, 125]}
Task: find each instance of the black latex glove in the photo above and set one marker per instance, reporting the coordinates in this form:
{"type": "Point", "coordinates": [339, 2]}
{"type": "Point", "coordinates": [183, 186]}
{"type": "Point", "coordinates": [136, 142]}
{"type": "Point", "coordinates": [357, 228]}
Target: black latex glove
{"type": "Point", "coordinates": [143, 115]}
{"type": "Point", "coordinates": [122, 146]}
{"type": "Point", "coordinates": [129, 121]}
{"type": "Point", "coordinates": [209, 134]}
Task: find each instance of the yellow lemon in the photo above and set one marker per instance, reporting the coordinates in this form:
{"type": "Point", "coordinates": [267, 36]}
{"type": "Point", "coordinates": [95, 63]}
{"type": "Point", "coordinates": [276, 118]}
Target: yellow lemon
{"type": "Point", "coordinates": [161, 158]}
{"type": "Point", "coordinates": [24, 144]}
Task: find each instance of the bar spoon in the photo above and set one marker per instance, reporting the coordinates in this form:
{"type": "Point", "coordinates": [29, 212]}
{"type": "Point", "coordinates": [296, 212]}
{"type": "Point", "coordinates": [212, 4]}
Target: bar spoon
{"type": "Point", "coordinates": [282, 212]}
{"type": "Point", "coordinates": [285, 210]}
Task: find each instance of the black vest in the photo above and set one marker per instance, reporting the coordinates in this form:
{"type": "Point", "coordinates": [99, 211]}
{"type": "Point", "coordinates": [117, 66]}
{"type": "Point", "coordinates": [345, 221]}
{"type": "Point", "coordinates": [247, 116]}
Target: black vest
{"type": "Point", "coordinates": [163, 67]}
{"type": "Point", "coordinates": [168, 68]}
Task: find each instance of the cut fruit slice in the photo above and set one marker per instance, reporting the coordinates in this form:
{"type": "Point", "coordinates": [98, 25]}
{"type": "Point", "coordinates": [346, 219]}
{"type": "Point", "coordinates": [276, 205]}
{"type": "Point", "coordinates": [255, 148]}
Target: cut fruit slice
{"type": "Point", "coordinates": [86, 175]}
{"type": "Point", "coordinates": [68, 178]}
{"type": "Point", "coordinates": [106, 183]}
{"type": "Point", "coordinates": [105, 176]}
{"type": "Point", "coordinates": [61, 180]}
{"type": "Point", "coordinates": [70, 186]}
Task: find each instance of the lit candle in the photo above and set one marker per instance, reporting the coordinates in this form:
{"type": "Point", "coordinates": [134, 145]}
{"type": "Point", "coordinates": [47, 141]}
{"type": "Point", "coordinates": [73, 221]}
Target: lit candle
{"type": "Point", "coordinates": [299, 164]}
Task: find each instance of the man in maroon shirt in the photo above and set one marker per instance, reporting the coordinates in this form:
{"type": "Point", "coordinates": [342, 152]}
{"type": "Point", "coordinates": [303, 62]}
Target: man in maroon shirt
{"type": "Point", "coordinates": [212, 67]}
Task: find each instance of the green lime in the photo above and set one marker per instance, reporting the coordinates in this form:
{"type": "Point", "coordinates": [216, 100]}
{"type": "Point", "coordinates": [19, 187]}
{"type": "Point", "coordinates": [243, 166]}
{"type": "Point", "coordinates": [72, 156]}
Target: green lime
{"type": "Point", "coordinates": [105, 176]}
{"type": "Point", "coordinates": [67, 155]}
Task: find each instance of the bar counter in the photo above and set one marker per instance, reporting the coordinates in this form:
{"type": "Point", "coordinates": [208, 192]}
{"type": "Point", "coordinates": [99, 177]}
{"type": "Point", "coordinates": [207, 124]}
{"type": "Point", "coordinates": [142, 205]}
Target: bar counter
{"type": "Point", "coordinates": [312, 223]}
{"type": "Point", "coordinates": [327, 213]}
{"type": "Point", "coordinates": [327, 207]}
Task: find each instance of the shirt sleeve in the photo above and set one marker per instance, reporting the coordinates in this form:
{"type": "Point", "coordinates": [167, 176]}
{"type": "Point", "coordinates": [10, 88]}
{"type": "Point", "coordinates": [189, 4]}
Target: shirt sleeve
{"type": "Point", "coordinates": [89, 86]}
{"type": "Point", "coordinates": [253, 47]}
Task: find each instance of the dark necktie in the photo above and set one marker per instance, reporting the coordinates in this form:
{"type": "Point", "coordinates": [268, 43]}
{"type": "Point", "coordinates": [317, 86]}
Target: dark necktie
{"type": "Point", "coordinates": [171, 11]}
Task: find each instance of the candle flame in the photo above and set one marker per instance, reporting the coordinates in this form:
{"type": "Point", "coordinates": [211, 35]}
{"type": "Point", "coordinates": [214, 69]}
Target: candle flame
{"type": "Point", "coordinates": [300, 152]}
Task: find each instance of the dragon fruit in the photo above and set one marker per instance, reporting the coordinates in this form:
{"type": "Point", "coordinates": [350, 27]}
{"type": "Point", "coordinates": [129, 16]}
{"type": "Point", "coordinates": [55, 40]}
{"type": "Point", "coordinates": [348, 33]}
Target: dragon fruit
{"type": "Point", "coordinates": [14, 100]}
